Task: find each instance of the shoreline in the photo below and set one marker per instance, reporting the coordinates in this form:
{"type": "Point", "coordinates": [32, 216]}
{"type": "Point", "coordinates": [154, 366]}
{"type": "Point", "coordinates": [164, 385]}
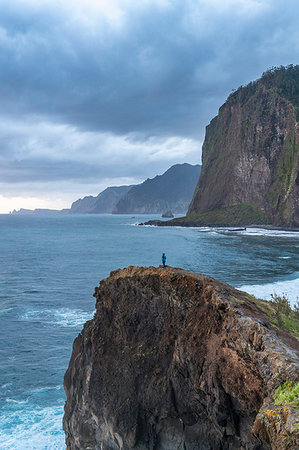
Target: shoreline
{"type": "Point", "coordinates": [167, 223]}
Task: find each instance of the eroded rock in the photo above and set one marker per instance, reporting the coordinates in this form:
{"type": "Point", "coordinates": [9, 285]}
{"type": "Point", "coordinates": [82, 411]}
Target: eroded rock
{"type": "Point", "coordinates": [175, 360]}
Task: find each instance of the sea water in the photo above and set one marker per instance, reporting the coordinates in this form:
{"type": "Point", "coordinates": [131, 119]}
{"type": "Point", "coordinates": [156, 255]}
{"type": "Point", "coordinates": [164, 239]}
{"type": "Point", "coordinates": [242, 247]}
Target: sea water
{"type": "Point", "coordinates": [49, 267]}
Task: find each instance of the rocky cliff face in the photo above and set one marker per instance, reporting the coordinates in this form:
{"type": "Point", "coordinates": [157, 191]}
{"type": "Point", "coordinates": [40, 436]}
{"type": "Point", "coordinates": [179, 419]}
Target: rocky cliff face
{"type": "Point", "coordinates": [251, 152]}
{"type": "Point", "coordinates": [175, 360]}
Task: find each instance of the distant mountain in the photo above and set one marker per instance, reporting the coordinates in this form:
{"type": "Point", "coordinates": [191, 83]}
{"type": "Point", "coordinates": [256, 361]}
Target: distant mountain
{"type": "Point", "coordinates": [171, 191]}
{"type": "Point", "coordinates": [103, 203]}
{"type": "Point", "coordinates": [38, 211]}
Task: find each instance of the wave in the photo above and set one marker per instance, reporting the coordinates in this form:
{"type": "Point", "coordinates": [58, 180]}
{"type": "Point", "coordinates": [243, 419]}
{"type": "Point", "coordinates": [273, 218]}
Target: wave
{"type": "Point", "coordinates": [290, 288]}
{"type": "Point", "coordinates": [5, 310]}
{"type": "Point", "coordinates": [32, 429]}
{"type": "Point", "coordinates": [18, 402]}
{"type": "Point", "coordinates": [63, 317]}
{"type": "Point", "coordinates": [269, 233]}
{"type": "Point", "coordinates": [46, 389]}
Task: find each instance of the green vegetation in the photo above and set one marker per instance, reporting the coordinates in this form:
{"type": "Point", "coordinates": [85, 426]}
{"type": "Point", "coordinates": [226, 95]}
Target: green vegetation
{"type": "Point", "coordinates": [287, 394]}
{"type": "Point", "coordinates": [237, 215]}
{"type": "Point", "coordinates": [285, 80]}
{"type": "Point", "coordinates": [282, 80]}
{"type": "Point", "coordinates": [236, 300]}
{"type": "Point", "coordinates": [286, 173]}
{"type": "Point", "coordinates": [279, 312]}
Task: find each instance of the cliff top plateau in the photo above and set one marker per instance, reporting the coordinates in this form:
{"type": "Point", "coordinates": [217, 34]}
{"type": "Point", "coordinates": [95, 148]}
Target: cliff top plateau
{"type": "Point", "coordinates": [177, 360]}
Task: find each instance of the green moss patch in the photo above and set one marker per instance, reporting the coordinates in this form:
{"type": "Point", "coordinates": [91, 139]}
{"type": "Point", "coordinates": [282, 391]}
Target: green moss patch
{"type": "Point", "coordinates": [287, 394]}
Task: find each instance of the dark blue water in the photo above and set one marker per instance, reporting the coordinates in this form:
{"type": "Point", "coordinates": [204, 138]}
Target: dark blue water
{"type": "Point", "coordinates": [49, 267]}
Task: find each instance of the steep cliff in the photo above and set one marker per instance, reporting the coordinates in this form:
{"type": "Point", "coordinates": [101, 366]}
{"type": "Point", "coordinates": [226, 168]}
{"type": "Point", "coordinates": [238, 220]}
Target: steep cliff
{"type": "Point", "coordinates": [102, 203]}
{"type": "Point", "coordinates": [175, 360]}
{"type": "Point", "coordinates": [251, 155]}
{"type": "Point", "coordinates": [172, 190]}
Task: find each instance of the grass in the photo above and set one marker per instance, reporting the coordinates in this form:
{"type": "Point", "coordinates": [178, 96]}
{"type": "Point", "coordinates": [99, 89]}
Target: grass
{"type": "Point", "coordinates": [287, 394]}
{"type": "Point", "coordinates": [236, 300]}
{"type": "Point", "coordinates": [241, 214]}
{"type": "Point", "coordinates": [279, 312]}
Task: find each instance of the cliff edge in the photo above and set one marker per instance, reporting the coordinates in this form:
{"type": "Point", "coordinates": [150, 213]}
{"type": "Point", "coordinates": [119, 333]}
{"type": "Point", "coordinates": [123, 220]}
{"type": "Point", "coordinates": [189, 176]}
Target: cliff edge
{"type": "Point", "coordinates": [176, 360]}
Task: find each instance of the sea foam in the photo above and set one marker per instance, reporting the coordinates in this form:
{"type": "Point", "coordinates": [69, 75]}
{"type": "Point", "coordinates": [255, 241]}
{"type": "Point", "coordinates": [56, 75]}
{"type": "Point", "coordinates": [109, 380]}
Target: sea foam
{"type": "Point", "coordinates": [290, 288]}
{"type": "Point", "coordinates": [33, 429]}
{"type": "Point", "coordinates": [63, 317]}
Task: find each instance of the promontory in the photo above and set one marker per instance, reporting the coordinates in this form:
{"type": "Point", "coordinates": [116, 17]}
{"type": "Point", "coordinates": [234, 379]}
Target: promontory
{"type": "Point", "coordinates": [250, 171]}
{"type": "Point", "coordinates": [174, 360]}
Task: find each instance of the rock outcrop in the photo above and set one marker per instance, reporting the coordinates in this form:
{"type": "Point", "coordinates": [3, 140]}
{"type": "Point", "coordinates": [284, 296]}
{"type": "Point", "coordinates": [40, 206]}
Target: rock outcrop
{"type": "Point", "coordinates": [167, 214]}
{"type": "Point", "coordinates": [172, 190]}
{"type": "Point", "coordinates": [251, 155]}
{"type": "Point", "coordinates": [175, 360]}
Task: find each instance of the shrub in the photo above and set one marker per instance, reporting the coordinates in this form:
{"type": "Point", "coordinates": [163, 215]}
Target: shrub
{"type": "Point", "coordinates": [287, 394]}
{"type": "Point", "coordinates": [282, 303]}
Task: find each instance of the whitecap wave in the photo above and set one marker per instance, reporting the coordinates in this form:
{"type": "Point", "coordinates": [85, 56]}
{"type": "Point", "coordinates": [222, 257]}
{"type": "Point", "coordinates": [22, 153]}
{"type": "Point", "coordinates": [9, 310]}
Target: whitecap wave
{"type": "Point", "coordinates": [63, 317]}
{"type": "Point", "coordinates": [290, 288]}
{"type": "Point", "coordinates": [4, 311]}
{"type": "Point", "coordinates": [32, 429]}
{"type": "Point", "coordinates": [18, 402]}
{"type": "Point", "coordinates": [269, 233]}
{"type": "Point", "coordinates": [59, 387]}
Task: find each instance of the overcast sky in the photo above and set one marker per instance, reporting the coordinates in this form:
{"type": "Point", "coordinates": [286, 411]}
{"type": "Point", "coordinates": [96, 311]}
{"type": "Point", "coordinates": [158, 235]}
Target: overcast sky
{"type": "Point", "coordinates": [110, 92]}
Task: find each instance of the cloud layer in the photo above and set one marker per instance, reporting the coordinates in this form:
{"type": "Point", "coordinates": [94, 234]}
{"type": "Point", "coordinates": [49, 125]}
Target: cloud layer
{"type": "Point", "coordinates": [94, 91]}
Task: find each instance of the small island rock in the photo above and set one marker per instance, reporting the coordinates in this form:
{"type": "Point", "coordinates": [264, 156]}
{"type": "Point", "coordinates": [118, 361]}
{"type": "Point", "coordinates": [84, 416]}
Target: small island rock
{"type": "Point", "coordinates": [168, 214]}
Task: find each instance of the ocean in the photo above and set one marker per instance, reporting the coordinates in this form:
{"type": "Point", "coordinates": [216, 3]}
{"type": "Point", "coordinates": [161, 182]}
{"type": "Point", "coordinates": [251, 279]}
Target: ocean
{"type": "Point", "coordinates": [49, 266]}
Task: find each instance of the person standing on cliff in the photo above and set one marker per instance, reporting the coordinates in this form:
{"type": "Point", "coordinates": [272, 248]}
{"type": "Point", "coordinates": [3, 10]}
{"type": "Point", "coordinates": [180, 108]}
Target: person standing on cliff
{"type": "Point", "coordinates": [163, 259]}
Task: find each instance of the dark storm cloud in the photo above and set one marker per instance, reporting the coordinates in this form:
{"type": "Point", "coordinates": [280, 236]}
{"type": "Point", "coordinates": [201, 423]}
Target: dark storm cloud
{"type": "Point", "coordinates": [165, 69]}
{"type": "Point", "coordinates": [44, 170]}
{"type": "Point", "coordinates": [92, 90]}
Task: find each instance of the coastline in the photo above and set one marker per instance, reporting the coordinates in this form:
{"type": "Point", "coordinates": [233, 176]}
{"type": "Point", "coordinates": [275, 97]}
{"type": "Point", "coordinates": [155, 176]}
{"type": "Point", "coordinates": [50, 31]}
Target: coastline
{"type": "Point", "coordinates": [175, 223]}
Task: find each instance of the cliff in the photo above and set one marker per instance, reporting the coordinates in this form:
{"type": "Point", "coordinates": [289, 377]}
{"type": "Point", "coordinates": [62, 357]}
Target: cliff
{"type": "Point", "coordinates": [102, 203]}
{"type": "Point", "coordinates": [176, 360]}
{"type": "Point", "coordinates": [172, 190]}
{"type": "Point", "coordinates": [251, 156]}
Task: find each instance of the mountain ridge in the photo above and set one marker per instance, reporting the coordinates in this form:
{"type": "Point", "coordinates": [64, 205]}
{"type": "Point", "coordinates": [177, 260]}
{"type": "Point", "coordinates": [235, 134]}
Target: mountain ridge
{"type": "Point", "coordinates": [170, 191]}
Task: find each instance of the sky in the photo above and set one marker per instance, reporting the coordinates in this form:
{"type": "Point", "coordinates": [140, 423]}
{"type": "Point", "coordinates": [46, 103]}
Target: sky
{"type": "Point", "coordinates": [111, 92]}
